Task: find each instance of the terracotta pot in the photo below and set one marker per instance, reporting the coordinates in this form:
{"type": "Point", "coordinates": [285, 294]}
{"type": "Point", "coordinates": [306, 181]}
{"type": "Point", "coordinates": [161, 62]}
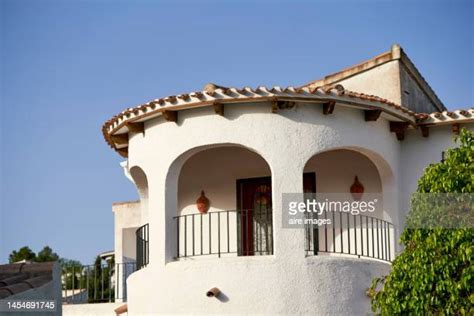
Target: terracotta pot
{"type": "Point", "coordinates": [203, 203]}
{"type": "Point", "coordinates": [357, 189]}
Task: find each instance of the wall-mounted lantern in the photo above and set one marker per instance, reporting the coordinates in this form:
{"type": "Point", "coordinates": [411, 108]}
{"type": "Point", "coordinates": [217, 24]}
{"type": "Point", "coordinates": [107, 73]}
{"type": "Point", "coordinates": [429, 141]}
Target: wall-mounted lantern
{"type": "Point", "coordinates": [203, 203]}
{"type": "Point", "coordinates": [357, 189]}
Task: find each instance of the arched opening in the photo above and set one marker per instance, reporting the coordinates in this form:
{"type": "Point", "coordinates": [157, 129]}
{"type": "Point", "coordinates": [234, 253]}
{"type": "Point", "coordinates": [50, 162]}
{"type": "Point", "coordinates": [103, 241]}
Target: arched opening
{"type": "Point", "coordinates": [232, 184]}
{"type": "Point", "coordinates": [141, 183]}
{"type": "Point", "coordinates": [352, 186]}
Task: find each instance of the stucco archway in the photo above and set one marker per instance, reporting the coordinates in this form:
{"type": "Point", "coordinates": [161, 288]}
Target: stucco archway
{"type": "Point", "coordinates": [141, 183]}
{"type": "Point", "coordinates": [370, 233]}
{"type": "Point", "coordinates": [226, 173]}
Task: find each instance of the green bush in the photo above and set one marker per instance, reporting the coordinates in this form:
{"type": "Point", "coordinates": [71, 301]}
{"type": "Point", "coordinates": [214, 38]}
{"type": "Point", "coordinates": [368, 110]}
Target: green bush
{"type": "Point", "coordinates": [434, 272]}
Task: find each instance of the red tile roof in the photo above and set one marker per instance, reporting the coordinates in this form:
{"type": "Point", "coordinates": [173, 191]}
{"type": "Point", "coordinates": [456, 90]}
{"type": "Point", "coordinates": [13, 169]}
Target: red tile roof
{"type": "Point", "coordinates": [445, 117]}
{"type": "Point", "coordinates": [224, 95]}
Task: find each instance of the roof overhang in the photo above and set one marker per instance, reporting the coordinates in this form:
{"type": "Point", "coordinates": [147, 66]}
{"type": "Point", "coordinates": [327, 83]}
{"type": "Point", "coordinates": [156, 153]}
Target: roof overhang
{"type": "Point", "coordinates": [131, 120]}
{"type": "Point", "coordinates": [446, 117]}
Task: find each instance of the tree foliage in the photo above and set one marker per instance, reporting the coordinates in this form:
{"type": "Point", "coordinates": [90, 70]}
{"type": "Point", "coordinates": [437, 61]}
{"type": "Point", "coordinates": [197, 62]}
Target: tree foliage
{"type": "Point", "coordinates": [47, 254]}
{"type": "Point", "coordinates": [25, 253]}
{"type": "Point", "coordinates": [434, 272]}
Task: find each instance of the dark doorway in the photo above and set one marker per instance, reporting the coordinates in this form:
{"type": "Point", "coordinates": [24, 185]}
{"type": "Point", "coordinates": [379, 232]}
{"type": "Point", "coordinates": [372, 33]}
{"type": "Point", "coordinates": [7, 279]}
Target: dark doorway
{"type": "Point", "coordinates": [254, 207]}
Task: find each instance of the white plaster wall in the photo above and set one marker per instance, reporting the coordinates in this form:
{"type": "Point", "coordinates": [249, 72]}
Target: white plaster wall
{"type": "Point", "coordinates": [335, 171]}
{"type": "Point", "coordinates": [382, 81]}
{"type": "Point", "coordinates": [141, 183]}
{"type": "Point", "coordinates": [392, 82]}
{"type": "Point", "coordinates": [216, 171]}
{"type": "Point", "coordinates": [129, 244]}
{"type": "Point", "coordinates": [288, 281]}
{"type": "Point", "coordinates": [259, 285]}
{"type": "Point", "coordinates": [127, 217]}
{"type": "Point", "coordinates": [99, 309]}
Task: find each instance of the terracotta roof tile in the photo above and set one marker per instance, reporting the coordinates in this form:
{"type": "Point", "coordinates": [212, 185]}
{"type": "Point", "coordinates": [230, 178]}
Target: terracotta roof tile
{"type": "Point", "coordinates": [213, 93]}
{"type": "Point", "coordinates": [19, 277]}
{"type": "Point", "coordinates": [445, 117]}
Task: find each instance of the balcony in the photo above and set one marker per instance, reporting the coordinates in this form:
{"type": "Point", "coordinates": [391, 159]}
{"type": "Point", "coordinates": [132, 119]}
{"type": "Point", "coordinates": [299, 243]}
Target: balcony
{"type": "Point", "coordinates": [97, 283]}
{"type": "Point", "coordinates": [250, 233]}
{"type": "Point", "coordinates": [104, 281]}
{"type": "Point", "coordinates": [225, 233]}
{"type": "Point", "coordinates": [354, 235]}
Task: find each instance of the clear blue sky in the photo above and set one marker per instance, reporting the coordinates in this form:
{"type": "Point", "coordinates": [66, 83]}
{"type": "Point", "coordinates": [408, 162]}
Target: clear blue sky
{"type": "Point", "coordinates": [68, 66]}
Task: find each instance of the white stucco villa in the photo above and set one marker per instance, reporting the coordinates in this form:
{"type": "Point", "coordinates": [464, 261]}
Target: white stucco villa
{"type": "Point", "coordinates": [245, 148]}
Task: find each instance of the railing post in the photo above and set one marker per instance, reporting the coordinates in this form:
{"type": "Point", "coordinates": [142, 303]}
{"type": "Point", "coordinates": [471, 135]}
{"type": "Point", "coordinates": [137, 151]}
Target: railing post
{"type": "Point", "coordinates": [315, 235]}
{"type": "Point", "coordinates": [73, 285]}
{"type": "Point", "coordinates": [201, 233]}
{"type": "Point", "coordinates": [193, 234]}
{"type": "Point", "coordinates": [109, 280]}
{"type": "Point", "coordinates": [334, 231]}
{"type": "Point", "coordinates": [348, 233]}
{"type": "Point", "coordinates": [340, 231]}
{"type": "Point", "coordinates": [355, 235]}
{"type": "Point", "coordinates": [228, 233]}
{"type": "Point", "coordinates": [185, 235]}
{"type": "Point", "coordinates": [118, 281]}
{"type": "Point", "coordinates": [219, 234]}
{"type": "Point", "coordinates": [389, 250]}
{"type": "Point", "coordinates": [210, 233]}
{"type": "Point", "coordinates": [177, 236]}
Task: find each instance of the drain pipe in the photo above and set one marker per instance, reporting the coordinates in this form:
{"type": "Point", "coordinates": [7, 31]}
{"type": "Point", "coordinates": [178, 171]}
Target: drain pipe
{"type": "Point", "coordinates": [214, 292]}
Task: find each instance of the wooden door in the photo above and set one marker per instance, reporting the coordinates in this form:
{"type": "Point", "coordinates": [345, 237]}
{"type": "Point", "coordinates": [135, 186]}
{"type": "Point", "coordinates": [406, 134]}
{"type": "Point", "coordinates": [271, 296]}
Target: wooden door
{"type": "Point", "coordinates": [254, 206]}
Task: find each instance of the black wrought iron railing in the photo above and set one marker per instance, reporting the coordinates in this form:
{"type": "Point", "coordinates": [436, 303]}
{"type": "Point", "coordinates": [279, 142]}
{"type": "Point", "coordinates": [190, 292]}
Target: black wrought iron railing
{"type": "Point", "coordinates": [358, 235]}
{"type": "Point", "coordinates": [97, 283]}
{"type": "Point", "coordinates": [241, 233]}
{"type": "Point", "coordinates": [142, 235]}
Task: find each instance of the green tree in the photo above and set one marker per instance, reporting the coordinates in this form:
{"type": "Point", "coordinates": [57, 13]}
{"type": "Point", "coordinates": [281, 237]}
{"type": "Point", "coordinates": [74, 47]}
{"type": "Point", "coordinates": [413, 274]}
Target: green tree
{"type": "Point", "coordinates": [99, 280]}
{"type": "Point", "coordinates": [46, 254]}
{"type": "Point", "coordinates": [72, 272]}
{"type": "Point", "coordinates": [24, 253]}
{"type": "Point", "coordinates": [434, 272]}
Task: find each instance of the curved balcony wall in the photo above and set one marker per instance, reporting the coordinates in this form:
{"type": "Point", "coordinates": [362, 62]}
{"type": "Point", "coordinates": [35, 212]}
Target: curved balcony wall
{"type": "Point", "coordinates": [286, 281]}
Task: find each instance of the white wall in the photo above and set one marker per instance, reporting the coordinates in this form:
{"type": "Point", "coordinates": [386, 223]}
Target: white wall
{"type": "Point", "coordinates": [99, 309]}
{"type": "Point", "coordinates": [336, 169]}
{"type": "Point", "coordinates": [141, 183]}
{"type": "Point", "coordinates": [216, 171]}
{"type": "Point", "coordinates": [382, 81]}
{"type": "Point", "coordinates": [127, 217]}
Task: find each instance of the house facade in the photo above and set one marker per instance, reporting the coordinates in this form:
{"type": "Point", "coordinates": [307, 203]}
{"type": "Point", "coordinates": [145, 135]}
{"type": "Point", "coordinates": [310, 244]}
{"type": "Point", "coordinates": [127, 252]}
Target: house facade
{"type": "Point", "coordinates": [235, 153]}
